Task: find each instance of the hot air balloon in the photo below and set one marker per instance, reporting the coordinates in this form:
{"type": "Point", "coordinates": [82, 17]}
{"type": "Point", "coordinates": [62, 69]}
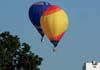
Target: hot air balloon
{"type": "Point", "coordinates": [54, 23]}
{"type": "Point", "coordinates": [35, 12]}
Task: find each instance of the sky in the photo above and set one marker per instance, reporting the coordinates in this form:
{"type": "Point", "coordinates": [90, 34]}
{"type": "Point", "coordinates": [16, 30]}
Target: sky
{"type": "Point", "coordinates": [81, 43]}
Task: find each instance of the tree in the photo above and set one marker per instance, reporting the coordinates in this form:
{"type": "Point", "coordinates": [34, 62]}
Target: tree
{"type": "Point", "coordinates": [17, 56]}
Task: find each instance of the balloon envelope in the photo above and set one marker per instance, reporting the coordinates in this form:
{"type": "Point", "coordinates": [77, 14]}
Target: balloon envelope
{"type": "Point", "coordinates": [35, 12]}
{"type": "Point", "coordinates": [54, 22]}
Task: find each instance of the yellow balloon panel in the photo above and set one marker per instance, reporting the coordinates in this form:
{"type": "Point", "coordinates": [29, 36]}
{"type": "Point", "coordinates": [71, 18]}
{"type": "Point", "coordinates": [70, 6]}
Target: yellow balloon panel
{"type": "Point", "coordinates": [54, 24]}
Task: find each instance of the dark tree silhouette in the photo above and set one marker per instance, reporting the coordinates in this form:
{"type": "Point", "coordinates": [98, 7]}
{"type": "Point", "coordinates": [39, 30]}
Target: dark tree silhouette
{"type": "Point", "coordinates": [16, 56]}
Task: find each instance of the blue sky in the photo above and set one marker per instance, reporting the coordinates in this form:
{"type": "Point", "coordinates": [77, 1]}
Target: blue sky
{"type": "Point", "coordinates": [80, 43]}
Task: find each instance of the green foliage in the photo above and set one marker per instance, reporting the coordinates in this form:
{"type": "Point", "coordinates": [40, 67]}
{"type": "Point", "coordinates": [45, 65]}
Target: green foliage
{"type": "Point", "coordinates": [16, 56]}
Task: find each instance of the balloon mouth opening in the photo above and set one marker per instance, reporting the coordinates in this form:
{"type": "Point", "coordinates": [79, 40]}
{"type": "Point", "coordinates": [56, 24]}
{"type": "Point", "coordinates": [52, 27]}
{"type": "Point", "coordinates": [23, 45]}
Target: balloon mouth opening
{"type": "Point", "coordinates": [55, 43]}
